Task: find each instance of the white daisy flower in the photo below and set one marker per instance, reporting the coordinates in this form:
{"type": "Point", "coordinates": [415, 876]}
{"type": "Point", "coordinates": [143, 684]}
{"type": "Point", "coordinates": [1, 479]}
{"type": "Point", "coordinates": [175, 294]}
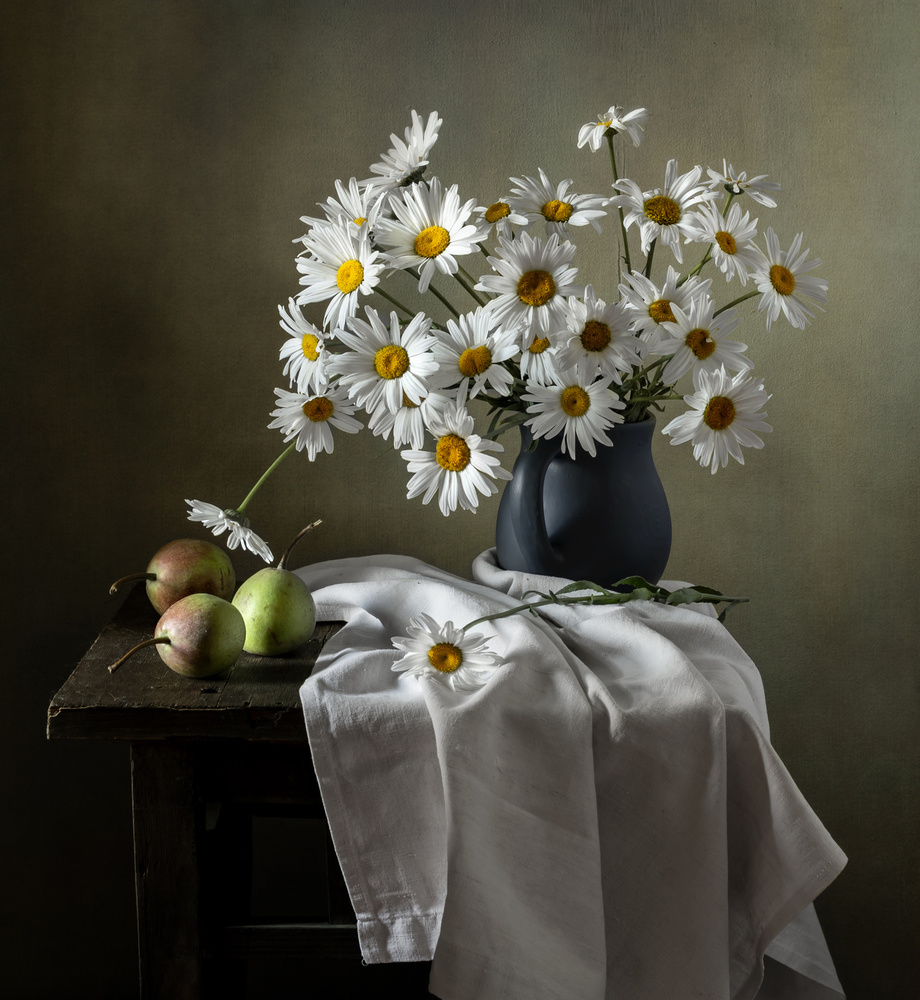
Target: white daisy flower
{"type": "Point", "coordinates": [429, 232]}
{"type": "Point", "coordinates": [304, 352]}
{"type": "Point", "coordinates": [405, 162]}
{"type": "Point", "coordinates": [781, 278]}
{"type": "Point", "coordinates": [579, 410]}
{"type": "Point", "coordinates": [474, 347]}
{"type": "Point", "coordinates": [500, 218]}
{"type": "Point", "coordinates": [338, 265]}
{"type": "Point", "coordinates": [662, 214]}
{"type": "Point", "coordinates": [355, 206]}
{"type": "Point", "coordinates": [534, 277]}
{"type": "Point", "coordinates": [731, 236]}
{"type": "Point", "coordinates": [539, 201]}
{"type": "Point", "coordinates": [698, 339]}
{"type": "Point", "coordinates": [407, 424]}
{"type": "Point", "coordinates": [601, 341]}
{"type": "Point", "coordinates": [309, 420]}
{"type": "Point", "coordinates": [385, 365]}
{"type": "Point", "coordinates": [651, 304]}
{"type": "Point", "coordinates": [240, 534]}
{"type": "Point", "coordinates": [446, 652]}
{"type": "Point", "coordinates": [724, 413]}
{"type": "Point", "coordinates": [736, 182]}
{"type": "Point", "coordinates": [538, 361]}
{"type": "Point", "coordinates": [459, 468]}
{"type": "Point", "coordinates": [632, 123]}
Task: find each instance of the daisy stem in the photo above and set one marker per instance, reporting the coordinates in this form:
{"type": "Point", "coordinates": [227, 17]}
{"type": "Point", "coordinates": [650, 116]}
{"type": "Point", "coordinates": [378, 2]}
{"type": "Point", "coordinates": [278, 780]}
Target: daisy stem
{"type": "Point", "coordinates": [265, 475]}
{"type": "Point", "coordinates": [699, 267]}
{"type": "Point", "coordinates": [467, 281]}
{"type": "Point", "coordinates": [653, 399]}
{"type": "Point", "coordinates": [395, 302]}
{"type": "Point", "coordinates": [439, 296]}
{"type": "Point", "coordinates": [734, 302]}
{"type": "Point", "coordinates": [616, 177]}
{"type": "Point", "coordinates": [648, 260]}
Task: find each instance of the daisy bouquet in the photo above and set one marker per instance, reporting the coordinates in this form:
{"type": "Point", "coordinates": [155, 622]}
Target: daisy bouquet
{"type": "Point", "coordinates": [510, 325]}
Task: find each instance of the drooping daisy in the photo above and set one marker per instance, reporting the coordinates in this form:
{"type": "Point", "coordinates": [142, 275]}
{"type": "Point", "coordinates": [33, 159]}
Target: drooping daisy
{"type": "Point", "coordinates": [430, 231]}
{"type": "Point", "coordinates": [232, 521]}
{"type": "Point", "coordinates": [661, 214]}
{"type": "Point", "coordinates": [304, 352]}
{"type": "Point", "coordinates": [731, 236]}
{"type": "Point", "coordinates": [500, 218]}
{"type": "Point", "coordinates": [533, 280]}
{"type": "Point", "coordinates": [308, 420]}
{"type": "Point", "coordinates": [579, 410]}
{"type": "Point", "coordinates": [446, 652]}
{"type": "Point", "coordinates": [337, 265]}
{"type": "Point", "coordinates": [736, 182]}
{"type": "Point", "coordinates": [474, 347]}
{"type": "Point", "coordinates": [459, 468]}
{"type": "Point", "coordinates": [724, 413]}
{"type": "Point", "coordinates": [538, 361]}
{"type": "Point", "coordinates": [405, 162]}
{"type": "Point", "coordinates": [383, 365]}
{"type": "Point", "coordinates": [539, 201]}
{"type": "Point", "coordinates": [354, 206]}
{"type": "Point", "coordinates": [651, 304]}
{"type": "Point", "coordinates": [698, 339]}
{"type": "Point", "coordinates": [782, 277]}
{"type": "Point", "coordinates": [601, 340]}
{"type": "Point", "coordinates": [632, 123]}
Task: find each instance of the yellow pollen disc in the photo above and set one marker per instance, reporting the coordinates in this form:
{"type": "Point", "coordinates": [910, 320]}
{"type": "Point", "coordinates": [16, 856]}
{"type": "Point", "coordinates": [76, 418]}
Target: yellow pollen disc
{"type": "Point", "coordinates": [475, 360]}
{"type": "Point", "coordinates": [308, 345]}
{"type": "Point", "coordinates": [318, 409]}
{"type": "Point", "coordinates": [595, 336]}
{"type": "Point", "coordinates": [726, 242]}
{"type": "Point", "coordinates": [782, 279]}
{"type": "Point", "coordinates": [500, 210]}
{"type": "Point", "coordinates": [391, 361]}
{"type": "Point", "coordinates": [719, 413]}
{"type": "Point", "coordinates": [660, 311]}
{"type": "Point", "coordinates": [408, 404]}
{"type": "Point", "coordinates": [607, 123]}
{"type": "Point", "coordinates": [445, 656]}
{"type": "Point", "coordinates": [452, 453]}
{"type": "Point", "coordinates": [536, 288]}
{"type": "Point", "coordinates": [361, 219]}
{"type": "Point", "coordinates": [557, 211]}
{"type": "Point", "coordinates": [539, 345]}
{"type": "Point", "coordinates": [432, 241]}
{"type": "Point", "coordinates": [349, 276]}
{"type": "Point", "coordinates": [700, 343]}
{"type": "Point", "coordinates": [663, 210]}
{"type": "Point", "coordinates": [575, 401]}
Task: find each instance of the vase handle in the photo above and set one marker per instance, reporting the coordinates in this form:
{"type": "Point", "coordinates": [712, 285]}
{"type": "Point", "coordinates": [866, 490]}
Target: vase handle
{"type": "Point", "coordinates": [531, 534]}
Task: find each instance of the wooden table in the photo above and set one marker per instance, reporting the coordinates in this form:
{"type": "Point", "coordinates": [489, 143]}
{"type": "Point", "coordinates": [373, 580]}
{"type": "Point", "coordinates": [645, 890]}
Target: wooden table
{"type": "Point", "coordinates": [206, 756]}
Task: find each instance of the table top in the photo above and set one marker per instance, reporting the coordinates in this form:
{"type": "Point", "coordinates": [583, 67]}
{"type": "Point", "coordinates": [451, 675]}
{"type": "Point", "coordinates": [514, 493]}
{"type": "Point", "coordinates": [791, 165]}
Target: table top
{"type": "Point", "coordinates": [257, 699]}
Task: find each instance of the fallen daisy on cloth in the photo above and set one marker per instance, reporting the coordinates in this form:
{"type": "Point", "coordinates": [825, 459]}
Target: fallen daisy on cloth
{"type": "Point", "coordinates": [600, 815]}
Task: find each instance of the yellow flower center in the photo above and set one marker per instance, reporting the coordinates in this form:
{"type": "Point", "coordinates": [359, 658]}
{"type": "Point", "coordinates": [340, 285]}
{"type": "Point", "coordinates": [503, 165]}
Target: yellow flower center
{"type": "Point", "coordinates": [318, 409]}
{"type": "Point", "coordinates": [475, 360]}
{"type": "Point", "coordinates": [538, 345]}
{"type": "Point", "coordinates": [391, 361]}
{"type": "Point", "coordinates": [432, 241]}
{"type": "Point", "coordinates": [660, 311]}
{"type": "Point", "coordinates": [595, 336]}
{"type": "Point", "coordinates": [607, 123]}
{"type": "Point", "coordinates": [719, 413]}
{"type": "Point", "coordinates": [499, 210]}
{"type": "Point", "coordinates": [309, 345]}
{"type": "Point", "coordinates": [536, 288]}
{"type": "Point", "coordinates": [663, 210]}
{"type": "Point", "coordinates": [445, 656]}
{"type": "Point", "coordinates": [782, 279]}
{"type": "Point", "coordinates": [360, 220]}
{"type": "Point", "coordinates": [452, 453]}
{"type": "Point", "coordinates": [557, 211]}
{"type": "Point", "coordinates": [349, 276]}
{"type": "Point", "coordinates": [408, 404]}
{"type": "Point", "coordinates": [575, 401]}
{"type": "Point", "coordinates": [700, 343]}
{"type": "Point", "coordinates": [726, 242]}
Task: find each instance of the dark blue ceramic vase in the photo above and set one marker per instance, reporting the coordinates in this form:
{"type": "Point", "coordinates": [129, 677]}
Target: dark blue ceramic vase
{"type": "Point", "coordinates": [599, 519]}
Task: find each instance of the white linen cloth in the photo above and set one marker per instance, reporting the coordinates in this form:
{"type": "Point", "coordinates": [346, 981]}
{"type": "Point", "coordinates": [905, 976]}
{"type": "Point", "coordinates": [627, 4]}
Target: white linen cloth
{"type": "Point", "coordinates": [605, 819]}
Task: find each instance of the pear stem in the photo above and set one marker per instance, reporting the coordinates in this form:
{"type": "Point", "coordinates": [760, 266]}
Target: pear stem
{"type": "Point", "coordinates": [133, 576]}
{"type": "Point", "coordinates": [283, 560]}
{"type": "Point", "coordinates": [140, 645]}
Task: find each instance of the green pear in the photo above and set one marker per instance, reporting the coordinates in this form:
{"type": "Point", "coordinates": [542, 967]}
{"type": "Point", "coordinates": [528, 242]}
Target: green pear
{"type": "Point", "coordinates": [182, 567]}
{"type": "Point", "coordinates": [197, 636]}
{"type": "Point", "coordinates": [277, 607]}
